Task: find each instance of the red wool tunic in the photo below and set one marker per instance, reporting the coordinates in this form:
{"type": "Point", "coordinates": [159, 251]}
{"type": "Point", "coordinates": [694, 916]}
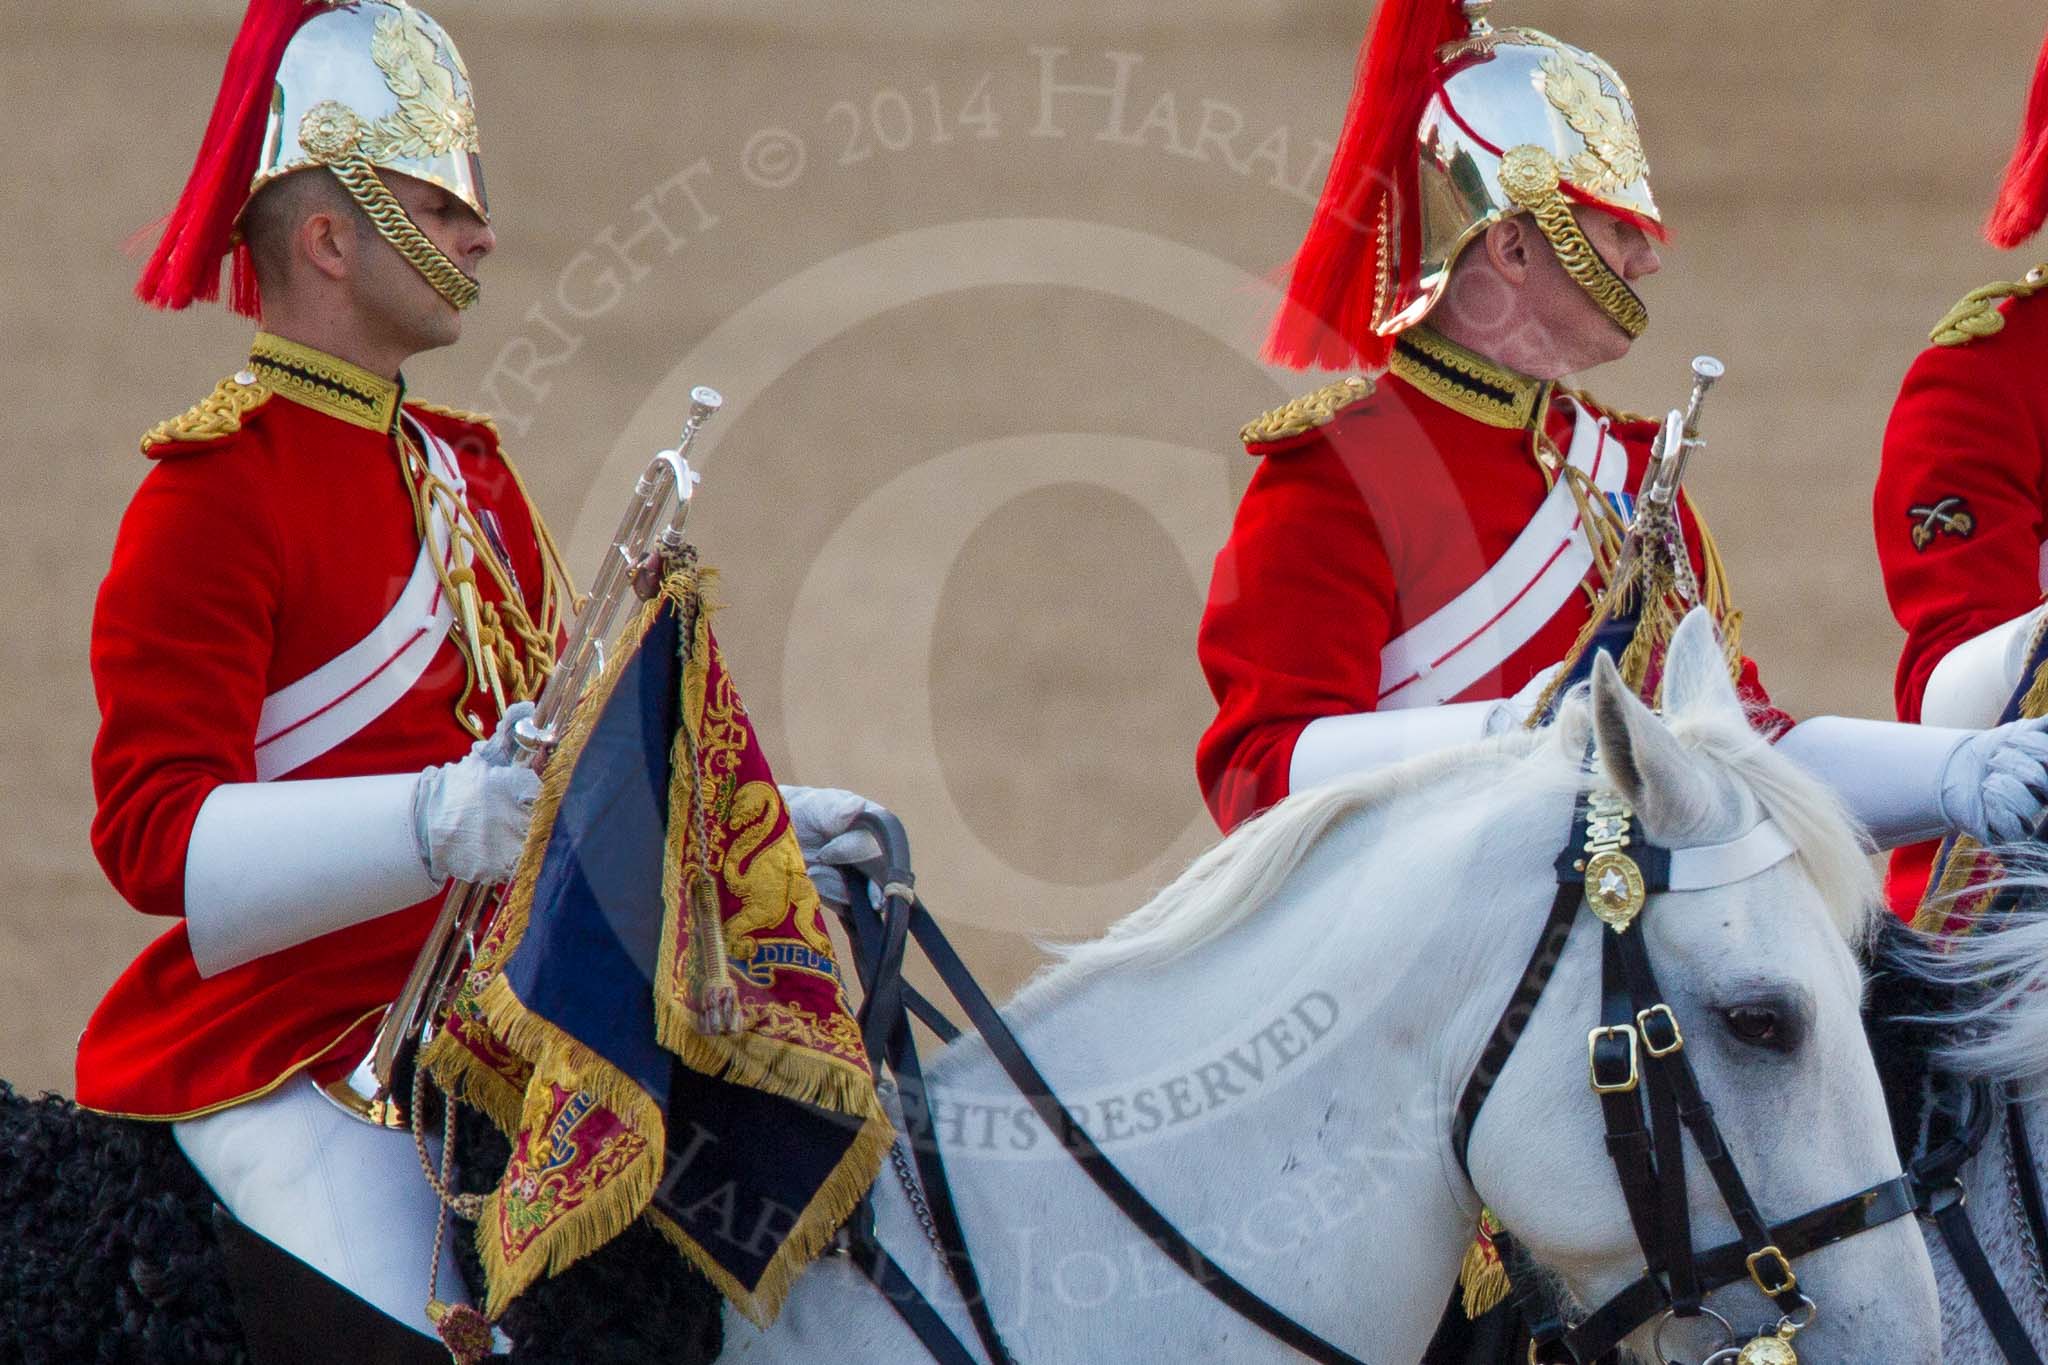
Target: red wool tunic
{"type": "Point", "coordinates": [1357, 529]}
{"type": "Point", "coordinates": [1961, 511]}
{"type": "Point", "coordinates": [257, 549]}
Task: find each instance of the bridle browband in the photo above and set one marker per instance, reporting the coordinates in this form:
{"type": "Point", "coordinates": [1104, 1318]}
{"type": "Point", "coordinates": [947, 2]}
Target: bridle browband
{"type": "Point", "coordinates": [1650, 1098]}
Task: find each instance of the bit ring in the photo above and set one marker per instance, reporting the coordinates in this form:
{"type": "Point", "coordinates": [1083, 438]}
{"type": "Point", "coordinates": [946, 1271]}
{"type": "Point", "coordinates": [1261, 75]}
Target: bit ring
{"type": "Point", "coordinates": [1727, 1335]}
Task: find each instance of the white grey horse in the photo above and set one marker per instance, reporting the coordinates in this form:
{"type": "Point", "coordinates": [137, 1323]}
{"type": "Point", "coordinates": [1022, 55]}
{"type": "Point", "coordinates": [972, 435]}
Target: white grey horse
{"type": "Point", "coordinates": [1272, 1050]}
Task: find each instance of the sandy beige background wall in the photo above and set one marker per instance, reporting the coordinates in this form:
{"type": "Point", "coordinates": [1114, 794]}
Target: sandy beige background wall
{"type": "Point", "coordinates": [987, 342]}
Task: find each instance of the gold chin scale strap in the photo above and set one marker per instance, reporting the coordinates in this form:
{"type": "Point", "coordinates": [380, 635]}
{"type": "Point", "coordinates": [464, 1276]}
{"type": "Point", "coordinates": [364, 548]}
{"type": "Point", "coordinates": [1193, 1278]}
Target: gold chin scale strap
{"type": "Point", "coordinates": [395, 226]}
{"type": "Point", "coordinates": [332, 135]}
{"type": "Point", "coordinates": [1530, 177]}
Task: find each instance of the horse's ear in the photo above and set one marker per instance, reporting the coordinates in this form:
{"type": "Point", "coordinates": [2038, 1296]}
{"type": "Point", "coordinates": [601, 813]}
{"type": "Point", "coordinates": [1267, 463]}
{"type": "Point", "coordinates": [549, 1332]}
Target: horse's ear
{"type": "Point", "coordinates": [1671, 791]}
{"type": "Point", "coordinates": [1696, 677]}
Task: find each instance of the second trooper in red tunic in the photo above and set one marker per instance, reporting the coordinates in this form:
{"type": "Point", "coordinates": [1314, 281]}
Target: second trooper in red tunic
{"type": "Point", "coordinates": [1961, 506]}
{"type": "Point", "coordinates": [1423, 543]}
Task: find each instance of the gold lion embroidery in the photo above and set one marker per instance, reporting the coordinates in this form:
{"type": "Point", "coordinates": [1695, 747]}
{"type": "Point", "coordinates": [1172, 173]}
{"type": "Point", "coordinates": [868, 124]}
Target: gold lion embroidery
{"type": "Point", "coordinates": [768, 880]}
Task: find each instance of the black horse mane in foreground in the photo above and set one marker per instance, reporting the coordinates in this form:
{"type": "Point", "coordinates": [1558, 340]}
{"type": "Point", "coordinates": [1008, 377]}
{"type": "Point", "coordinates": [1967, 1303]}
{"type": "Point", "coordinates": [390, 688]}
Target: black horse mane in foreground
{"type": "Point", "coordinates": [109, 1256]}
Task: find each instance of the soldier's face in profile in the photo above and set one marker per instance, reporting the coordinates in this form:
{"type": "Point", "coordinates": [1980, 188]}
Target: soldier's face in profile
{"type": "Point", "coordinates": [1561, 330]}
{"type": "Point", "coordinates": [398, 296]}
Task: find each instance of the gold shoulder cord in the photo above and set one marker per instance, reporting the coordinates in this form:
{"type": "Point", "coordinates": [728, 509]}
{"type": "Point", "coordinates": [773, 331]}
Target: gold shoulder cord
{"type": "Point", "coordinates": [1661, 606]}
{"type": "Point", "coordinates": [218, 414]}
{"type": "Point", "coordinates": [505, 650]}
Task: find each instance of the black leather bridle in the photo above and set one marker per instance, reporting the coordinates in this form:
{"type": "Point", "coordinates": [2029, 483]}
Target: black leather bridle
{"type": "Point", "coordinates": [1650, 1099]}
{"type": "Point", "coordinates": [1638, 1064]}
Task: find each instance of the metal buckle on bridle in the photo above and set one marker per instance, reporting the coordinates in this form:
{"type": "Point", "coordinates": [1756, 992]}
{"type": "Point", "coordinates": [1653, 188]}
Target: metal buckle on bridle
{"type": "Point", "coordinates": [1757, 1260]}
{"type": "Point", "coordinates": [1609, 1082]}
{"type": "Point", "coordinates": [1664, 1019]}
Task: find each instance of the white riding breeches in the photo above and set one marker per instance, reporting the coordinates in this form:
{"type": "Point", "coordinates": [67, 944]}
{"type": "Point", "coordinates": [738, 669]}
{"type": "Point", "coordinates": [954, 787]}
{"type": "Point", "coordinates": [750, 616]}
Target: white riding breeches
{"type": "Point", "coordinates": [347, 1198]}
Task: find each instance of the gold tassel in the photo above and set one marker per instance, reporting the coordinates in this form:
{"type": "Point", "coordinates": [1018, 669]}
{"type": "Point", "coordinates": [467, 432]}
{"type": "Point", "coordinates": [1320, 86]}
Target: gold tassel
{"type": "Point", "coordinates": [718, 1002]}
{"type": "Point", "coordinates": [1484, 1278]}
{"type": "Point", "coordinates": [1656, 622]}
{"type": "Point", "coordinates": [464, 1331]}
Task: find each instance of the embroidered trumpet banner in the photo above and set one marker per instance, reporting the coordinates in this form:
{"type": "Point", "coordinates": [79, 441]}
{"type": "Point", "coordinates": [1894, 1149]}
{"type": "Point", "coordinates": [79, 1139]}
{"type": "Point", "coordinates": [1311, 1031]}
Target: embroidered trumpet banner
{"type": "Point", "coordinates": [655, 1016]}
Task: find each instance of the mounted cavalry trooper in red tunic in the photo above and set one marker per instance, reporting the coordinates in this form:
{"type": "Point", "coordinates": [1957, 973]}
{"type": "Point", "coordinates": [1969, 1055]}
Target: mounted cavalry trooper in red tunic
{"type": "Point", "coordinates": [1419, 549]}
{"type": "Point", "coordinates": [1422, 546]}
{"type": "Point", "coordinates": [1961, 507]}
{"type": "Point", "coordinates": [325, 600]}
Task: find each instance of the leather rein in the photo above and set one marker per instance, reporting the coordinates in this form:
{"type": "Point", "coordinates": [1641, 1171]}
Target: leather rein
{"type": "Point", "coordinates": [1638, 1068]}
{"type": "Point", "coordinates": [1964, 1114]}
{"type": "Point", "coordinates": [1942, 1121]}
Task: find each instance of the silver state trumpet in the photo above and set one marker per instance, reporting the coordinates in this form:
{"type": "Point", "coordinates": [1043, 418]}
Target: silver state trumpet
{"type": "Point", "coordinates": [1655, 529]}
{"type": "Point", "coordinates": [650, 530]}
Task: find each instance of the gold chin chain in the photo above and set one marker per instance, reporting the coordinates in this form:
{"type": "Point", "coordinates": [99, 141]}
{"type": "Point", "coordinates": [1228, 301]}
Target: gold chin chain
{"type": "Point", "coordinates": [1530, 177]}
{"type": "Point", "coordinates": [507, 653]}
{"type": "Point", "coordinates": [395, 226]}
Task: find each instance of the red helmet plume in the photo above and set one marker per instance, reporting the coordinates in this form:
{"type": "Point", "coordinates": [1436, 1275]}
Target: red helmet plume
{"type": "Point", "coordinates": [1327, 320]}
{"type": "Point", "coordinates": [186, 263]}
{"type": "Point", "coordinates": [2023, 198]}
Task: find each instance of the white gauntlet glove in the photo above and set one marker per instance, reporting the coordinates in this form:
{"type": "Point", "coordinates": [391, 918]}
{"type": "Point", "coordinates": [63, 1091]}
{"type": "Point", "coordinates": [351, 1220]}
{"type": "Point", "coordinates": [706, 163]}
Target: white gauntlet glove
{"type": "Point", "coordinates": [1904, 783]}
{"type": "Point", "coordinates": [1331, 747]}
{"type": "Point", "coordinates": [1512, 713]}
{"type": "Point", "coordinates": [271, 865]}
{"type": "Point", "coordinates": [1995, 787]}
{"type": "Point", "coordinates": [1973, 681]}
{"type": "Point", "coordinates": [470, 817]}
{"type": "Point", "coordinates": [823, 820]}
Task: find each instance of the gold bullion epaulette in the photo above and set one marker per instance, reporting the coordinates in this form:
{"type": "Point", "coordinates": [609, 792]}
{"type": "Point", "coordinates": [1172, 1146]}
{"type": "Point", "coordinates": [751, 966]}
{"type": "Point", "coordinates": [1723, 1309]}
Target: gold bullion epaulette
{"type": "Point", "coordinates": [218, 414]}
{"type": "Point", "coordinates": [1307, 412]}
{"type": "Point", "coordinates": [1977, 314]}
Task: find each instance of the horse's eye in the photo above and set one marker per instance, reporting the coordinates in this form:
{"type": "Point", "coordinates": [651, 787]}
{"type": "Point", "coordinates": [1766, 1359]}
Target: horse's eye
{"type": "Point", "coordinates": [1753, 1023]}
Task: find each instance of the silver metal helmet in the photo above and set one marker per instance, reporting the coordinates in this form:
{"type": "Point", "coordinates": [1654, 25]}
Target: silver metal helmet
{"type": "Point", "coordinates": [379, 78]}
{"type": "Point", "coordinates": [373, 85]}
{"type": "Point", "coordinates": [1521, 123]}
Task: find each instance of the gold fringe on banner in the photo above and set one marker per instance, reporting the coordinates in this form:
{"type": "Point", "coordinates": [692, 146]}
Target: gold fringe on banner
{"type": "Point", "coordinates": [557, 1059]}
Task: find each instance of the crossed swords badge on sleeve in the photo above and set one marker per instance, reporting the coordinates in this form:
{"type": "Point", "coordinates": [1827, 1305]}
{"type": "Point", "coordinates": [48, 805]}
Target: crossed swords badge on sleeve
{"type": "Point", "coordinates": [1949, 517]}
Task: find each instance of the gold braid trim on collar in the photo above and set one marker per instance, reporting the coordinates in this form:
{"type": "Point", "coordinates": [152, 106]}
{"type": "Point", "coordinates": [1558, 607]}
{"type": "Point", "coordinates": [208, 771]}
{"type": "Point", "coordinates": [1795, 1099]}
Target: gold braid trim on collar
{"type": "Point", "coordinates": [1466, 381]}
{"type": "Point", "coordinates": [325, 383]}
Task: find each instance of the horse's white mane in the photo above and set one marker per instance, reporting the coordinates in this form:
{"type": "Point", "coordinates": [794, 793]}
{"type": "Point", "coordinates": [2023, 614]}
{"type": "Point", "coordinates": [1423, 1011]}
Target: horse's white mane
{"type": "Point", "coordinates": [1237, 877]}
{"type": "Point", "coordinates": [2003, 1034]}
